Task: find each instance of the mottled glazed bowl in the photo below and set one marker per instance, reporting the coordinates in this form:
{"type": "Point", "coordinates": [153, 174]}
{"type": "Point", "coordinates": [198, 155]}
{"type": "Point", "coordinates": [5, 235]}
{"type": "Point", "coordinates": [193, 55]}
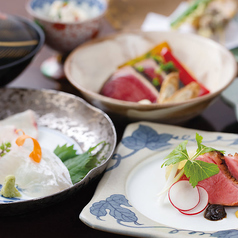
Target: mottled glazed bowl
{"type": "Point", "coordinates": [61, 115]}
{"type": "Point", "coordinates": [65, 36]}
{"type": "Point", "coordinates": [90, 65]}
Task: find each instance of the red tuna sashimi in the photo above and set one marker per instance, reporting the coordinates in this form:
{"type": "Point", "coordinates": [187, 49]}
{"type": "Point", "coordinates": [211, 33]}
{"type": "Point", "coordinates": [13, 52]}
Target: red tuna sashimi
{"type": "Point", "coordinates": [128, 85]}
{"type": "Point", "coordinates": [222, 188]}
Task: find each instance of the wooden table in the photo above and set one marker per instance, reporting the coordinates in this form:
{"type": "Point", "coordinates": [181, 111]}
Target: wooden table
{"type": "Point", "coordinates": [62, 219]}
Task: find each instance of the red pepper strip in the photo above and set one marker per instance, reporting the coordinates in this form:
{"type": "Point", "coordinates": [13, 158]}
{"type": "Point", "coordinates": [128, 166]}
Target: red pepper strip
{"type": "Point", "coordinates": [36, 154]}
{"type": "Point", "coordinates": [185, 77]}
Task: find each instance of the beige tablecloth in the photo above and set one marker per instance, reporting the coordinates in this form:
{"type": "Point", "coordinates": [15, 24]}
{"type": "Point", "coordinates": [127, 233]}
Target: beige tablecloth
{"type": "Point", "coordinates": [130, 14]}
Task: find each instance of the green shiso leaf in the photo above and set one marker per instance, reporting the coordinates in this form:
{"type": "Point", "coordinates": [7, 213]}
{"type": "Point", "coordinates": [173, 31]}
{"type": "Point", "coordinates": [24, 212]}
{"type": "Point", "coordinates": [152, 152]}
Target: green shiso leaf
{"type": "Point", "coordinates": [64, 152]}
{"type": "Point", "coordinates": [79, 165]}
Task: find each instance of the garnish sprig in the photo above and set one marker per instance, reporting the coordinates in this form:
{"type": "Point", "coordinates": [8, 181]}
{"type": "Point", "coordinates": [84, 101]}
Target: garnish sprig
{"type": "Point", "coordinates": [5, 148]}
{"type": "Point", "coordinates": [195, 170]}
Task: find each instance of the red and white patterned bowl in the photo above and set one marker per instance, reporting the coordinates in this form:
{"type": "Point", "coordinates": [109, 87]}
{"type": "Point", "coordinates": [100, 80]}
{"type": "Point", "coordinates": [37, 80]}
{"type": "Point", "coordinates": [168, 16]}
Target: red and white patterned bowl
{"type": "Point", "coordinates": [65, 36]}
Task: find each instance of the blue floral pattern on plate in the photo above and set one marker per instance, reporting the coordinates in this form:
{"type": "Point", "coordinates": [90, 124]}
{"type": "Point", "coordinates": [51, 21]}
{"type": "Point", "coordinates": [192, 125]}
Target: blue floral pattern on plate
{"type": "Point", "coordinates": [114, 205]}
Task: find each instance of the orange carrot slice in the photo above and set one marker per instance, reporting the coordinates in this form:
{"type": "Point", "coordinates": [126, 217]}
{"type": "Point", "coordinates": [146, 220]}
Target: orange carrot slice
{"type": "Point", "coordinates": [36, 154]}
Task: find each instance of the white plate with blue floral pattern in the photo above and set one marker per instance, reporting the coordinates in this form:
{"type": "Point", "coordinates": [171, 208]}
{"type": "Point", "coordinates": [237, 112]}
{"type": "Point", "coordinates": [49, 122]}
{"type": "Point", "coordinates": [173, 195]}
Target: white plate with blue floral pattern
{"type": "Point", "coordinates": [126, 199]}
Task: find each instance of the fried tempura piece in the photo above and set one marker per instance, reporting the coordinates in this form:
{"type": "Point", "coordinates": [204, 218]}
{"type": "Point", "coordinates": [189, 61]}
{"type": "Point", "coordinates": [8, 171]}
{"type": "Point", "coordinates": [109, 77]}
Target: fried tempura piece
{"type": "Point", "coordinates": [208, 17]}
{"type": "Point", "coordinates": [169, 87]}
{"type": "Point", "coordinates": [188, 92]}
{"type": "Point", "coordinates": [216, 17]}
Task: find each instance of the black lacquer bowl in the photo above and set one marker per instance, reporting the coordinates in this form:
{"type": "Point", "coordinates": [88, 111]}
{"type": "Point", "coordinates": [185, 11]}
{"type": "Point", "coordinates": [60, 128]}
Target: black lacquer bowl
{"type": "Point", "coordinates": [20, 40]}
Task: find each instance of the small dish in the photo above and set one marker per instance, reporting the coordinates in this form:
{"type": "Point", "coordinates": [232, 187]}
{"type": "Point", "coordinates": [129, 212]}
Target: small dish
{"type": "Point", "coordinates": [64, 36]}
{"type": "Point", "coordinates": [61, 118]}
{"type": "Point", "coordinates": [126, 201]}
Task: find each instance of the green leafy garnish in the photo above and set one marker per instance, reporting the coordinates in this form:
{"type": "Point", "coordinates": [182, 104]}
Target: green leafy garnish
{"type": "Point", "coordinates": [195, 170]}
{"type": "Point", "coordinates": [64, 152]}
{"type": "Point", "coordinates": [5, 148]}
{"type": "Point", "coordinates": [79, 164]}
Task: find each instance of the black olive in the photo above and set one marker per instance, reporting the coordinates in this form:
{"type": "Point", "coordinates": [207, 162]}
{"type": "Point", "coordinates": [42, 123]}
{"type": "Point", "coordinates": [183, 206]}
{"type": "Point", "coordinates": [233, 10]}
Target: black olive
{"type": "Point", "coordinates": [215, 212]}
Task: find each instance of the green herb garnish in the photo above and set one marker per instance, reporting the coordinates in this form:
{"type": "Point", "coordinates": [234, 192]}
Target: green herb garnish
{"type": "Point", "coordinates": [79, 164]}
{"type": "Point", "coordinates": [5, 148]}
{"type": "Point", "coordinates": [158, 58]}
{"type": "Point", "coordinates": [155, 82]}
{"type": "Point", "coordinates": [168, 67]}
{"type": "Point", "coordinates": [139, 68]}
{"type": "Point", "coordinates": [195, 170]}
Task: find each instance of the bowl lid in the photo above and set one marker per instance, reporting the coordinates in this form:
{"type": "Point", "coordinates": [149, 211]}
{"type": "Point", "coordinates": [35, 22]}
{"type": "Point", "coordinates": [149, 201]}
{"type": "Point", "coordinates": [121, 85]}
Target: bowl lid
{"type": "Point", "coordinates": [17, 38]}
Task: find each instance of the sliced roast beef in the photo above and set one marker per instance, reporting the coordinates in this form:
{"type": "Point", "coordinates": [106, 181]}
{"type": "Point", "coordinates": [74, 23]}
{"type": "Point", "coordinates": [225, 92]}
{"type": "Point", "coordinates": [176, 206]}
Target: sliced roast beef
{"type": "Point", "coordinates": [232, 164]}
{"type": "Point", "coordinates": [128, 85]}
{"type": "Point", "coordinates": [222, 187]}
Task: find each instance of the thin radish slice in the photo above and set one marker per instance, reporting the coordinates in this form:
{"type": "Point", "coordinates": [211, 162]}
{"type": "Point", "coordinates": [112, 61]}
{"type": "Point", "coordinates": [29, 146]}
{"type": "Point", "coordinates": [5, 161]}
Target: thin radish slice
{"type": "Point", "coordinates": [183, 196]}
{"type": "Point", "coordinates": [201, 205]}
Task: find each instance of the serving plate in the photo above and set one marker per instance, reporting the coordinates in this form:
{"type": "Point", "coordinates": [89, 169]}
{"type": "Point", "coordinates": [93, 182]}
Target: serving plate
{"type": "Point", "coordinates": [126, 199]}
{"type": "Point", "coordinates": [61, 118]}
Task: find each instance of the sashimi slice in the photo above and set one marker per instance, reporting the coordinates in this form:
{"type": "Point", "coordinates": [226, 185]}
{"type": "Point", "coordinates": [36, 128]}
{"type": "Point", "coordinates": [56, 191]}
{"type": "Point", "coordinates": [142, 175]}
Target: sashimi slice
{"type": "Point", "coordinates": [35, 179]}
{"type": "Point", "coordinates": [148, 67]}
{"type": "Point", "coordinates": [128, 85]}
{"type": "Point", "coordinates": [27, 121]}
{"type": "Point", "coordinates": [8, 134]}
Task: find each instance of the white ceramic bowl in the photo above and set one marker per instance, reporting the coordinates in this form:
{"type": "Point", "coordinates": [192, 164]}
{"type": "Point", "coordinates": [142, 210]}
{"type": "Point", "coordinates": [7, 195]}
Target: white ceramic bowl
{"type": "Point", "coordinates": [90, 65]}
{"type": "Point", "coordinates": [65, 36]}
